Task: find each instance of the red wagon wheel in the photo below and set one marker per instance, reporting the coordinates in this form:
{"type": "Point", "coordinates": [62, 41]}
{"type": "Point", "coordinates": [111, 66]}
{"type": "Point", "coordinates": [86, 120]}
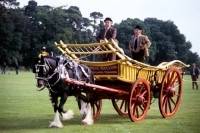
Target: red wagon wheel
{"type": "Point", "coordinates": [139, 101]}
{"type": "Point", "coordinates": [170, 93]}
{"type": "Point", "coordinates": [96, 108]}
{"type": "Point", "coordinates": [121, 106]}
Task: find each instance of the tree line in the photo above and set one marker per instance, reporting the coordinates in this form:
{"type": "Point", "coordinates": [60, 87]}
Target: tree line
{"type": "Point", "coordinates": [24, 31]}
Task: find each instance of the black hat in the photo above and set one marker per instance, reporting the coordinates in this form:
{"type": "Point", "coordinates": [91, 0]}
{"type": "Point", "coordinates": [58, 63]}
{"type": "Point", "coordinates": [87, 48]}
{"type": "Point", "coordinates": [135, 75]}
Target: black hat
{"type": "Point", "coordinates": [109, 19]}
{"type": "Point", "coordinates": [138, 27]}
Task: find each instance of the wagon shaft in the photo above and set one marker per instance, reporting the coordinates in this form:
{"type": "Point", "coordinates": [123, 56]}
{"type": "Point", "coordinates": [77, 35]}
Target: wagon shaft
{"type": "Point", "coordinates": [97, 87]}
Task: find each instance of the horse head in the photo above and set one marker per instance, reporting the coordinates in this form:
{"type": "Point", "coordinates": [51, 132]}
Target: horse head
{"type": "Point", "coordinates": [43, 67]}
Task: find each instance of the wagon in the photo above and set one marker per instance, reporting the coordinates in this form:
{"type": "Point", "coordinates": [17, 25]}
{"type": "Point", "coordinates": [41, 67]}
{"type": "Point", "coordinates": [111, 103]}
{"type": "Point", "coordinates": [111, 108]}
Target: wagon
{"type": "Point", "coordinates": [131, 85]}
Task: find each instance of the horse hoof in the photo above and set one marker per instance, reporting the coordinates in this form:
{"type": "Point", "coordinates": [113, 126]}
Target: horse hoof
{"type": "Point", "coordinates": [87, 122]}
{"type": "Point", "coordinates": [55, 125]}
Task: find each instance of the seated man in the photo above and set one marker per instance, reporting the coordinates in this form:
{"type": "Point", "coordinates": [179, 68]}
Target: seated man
{"type": "Point", "coordinates": [44, 53]}
{"type": "Point", "coordinates": [139, 45]}
{"type": "Point", "coordinates": [109, 33]}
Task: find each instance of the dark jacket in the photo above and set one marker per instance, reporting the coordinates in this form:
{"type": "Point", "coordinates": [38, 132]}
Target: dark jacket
{"type": "Point", "coordinates": [111, 34]}
{"type": "Point", "coordinates": [4, 65]}
{"type": "Point", "coordinates": [196, 71]}
{"type": "Point", "coordinates": [17, 67]}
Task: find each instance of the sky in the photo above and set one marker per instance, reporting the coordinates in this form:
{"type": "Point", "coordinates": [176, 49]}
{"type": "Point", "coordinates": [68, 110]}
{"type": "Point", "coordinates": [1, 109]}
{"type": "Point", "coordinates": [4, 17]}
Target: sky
{"type": "Point", "coordinates": [184, 13]}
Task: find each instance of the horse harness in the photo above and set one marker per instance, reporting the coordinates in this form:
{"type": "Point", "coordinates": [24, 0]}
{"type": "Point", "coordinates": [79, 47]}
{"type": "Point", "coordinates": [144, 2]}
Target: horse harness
{"type": "Point", "coordinates": [63, 62]}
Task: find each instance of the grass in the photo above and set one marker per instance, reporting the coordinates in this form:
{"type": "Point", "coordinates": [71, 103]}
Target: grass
{"type": "Point", "coordinates": [25, 110]}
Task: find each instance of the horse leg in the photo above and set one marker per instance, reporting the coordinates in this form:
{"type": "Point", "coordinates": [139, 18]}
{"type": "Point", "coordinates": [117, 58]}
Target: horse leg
{"type": "Point", "coordinates": [69, 114]}
{"type": "Point", "coordinates": [83, 100]}
{"type": "Point", "coordinates": [83, 110]}
{"type": "Point", "coordinates": [56, 122]}
{"type": "Point", "coordinates": [88, 119]}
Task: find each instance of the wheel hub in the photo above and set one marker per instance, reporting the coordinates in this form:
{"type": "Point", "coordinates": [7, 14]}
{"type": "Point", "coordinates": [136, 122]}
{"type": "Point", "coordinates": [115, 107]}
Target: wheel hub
{"type": "Point", "coordinates": [140, 100]}
{"type": "Point", "coordinates": [171, 92]}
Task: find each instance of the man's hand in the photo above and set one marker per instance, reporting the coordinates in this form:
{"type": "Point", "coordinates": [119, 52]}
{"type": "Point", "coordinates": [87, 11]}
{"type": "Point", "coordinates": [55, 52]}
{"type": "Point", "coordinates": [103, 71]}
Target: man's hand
{"type": "Point", "coordinates": [142, 47]}
{"type": "Point", "coordinates": [101, 41]}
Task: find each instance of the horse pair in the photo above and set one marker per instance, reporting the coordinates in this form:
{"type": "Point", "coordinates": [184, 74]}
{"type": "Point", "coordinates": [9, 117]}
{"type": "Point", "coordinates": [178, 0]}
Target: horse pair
{"type": "Point", "coordinates": [51, 73]}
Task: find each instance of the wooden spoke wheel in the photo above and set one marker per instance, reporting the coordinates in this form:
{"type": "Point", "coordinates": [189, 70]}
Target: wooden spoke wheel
{"type": "Point", "coordinates": [121, 106]}
{"type": "Point", "coordinates": [96, 108]}
{"type": "Point", "coordinates": [139, 101]}
{"type": "Point", "coordinates": [170, 93]}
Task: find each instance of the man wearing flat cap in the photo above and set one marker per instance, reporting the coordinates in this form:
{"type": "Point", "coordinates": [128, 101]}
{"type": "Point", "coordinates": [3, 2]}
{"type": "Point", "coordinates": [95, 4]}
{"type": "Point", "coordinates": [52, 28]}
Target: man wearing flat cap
{"type": "Point", "coordinates": [139, 45]}
{"type": "Point", "coordinates": [109, 33]}
{"type": "Point", "coordinates": [44, 53]}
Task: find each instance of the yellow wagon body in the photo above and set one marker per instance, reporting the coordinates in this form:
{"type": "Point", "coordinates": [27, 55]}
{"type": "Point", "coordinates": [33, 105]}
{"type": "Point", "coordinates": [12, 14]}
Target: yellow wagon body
{"type": "Point", "coordinates": [130, 84]}
{"type": "Point", "coordinates": [124, 69]}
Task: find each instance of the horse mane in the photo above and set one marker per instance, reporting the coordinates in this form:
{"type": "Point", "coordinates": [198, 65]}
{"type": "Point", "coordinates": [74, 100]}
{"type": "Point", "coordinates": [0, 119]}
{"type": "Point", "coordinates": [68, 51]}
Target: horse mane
{"type": "Point", "coordinates": [51, 57]}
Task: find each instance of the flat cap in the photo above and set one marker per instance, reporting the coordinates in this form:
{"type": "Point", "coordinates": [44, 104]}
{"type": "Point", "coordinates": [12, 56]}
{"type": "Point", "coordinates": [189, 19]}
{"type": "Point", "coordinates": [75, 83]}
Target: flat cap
{"type": "Point", "coordinates": [109, 19]}
{"type": "Point", "coordinates": [138, 27]}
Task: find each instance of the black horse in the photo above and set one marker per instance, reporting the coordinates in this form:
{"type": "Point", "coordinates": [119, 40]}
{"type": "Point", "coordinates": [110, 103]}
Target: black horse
{"type": "Point", "coordinates": [51, 73]}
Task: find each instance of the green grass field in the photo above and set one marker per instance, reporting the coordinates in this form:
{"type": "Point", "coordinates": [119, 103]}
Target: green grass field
{"type": "Point", "coordinates": [24, 109]}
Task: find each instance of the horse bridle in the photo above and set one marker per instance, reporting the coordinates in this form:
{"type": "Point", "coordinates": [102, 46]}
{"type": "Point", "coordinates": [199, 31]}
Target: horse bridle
{"type": "Point", "coordinates": [45, 78]}
{"type": "Point", "coordinates": [38, 67]}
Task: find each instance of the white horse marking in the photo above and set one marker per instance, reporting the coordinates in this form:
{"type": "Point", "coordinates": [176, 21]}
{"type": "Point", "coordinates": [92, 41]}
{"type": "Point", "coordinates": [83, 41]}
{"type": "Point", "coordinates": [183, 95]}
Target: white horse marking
{"type": "Point", "coordinates": [56, 123]}
{"type": "Point", "coordinates": [83, 110]}
{"type": "Point", "coordinates": [88, 119]}
{"type": "Point", "coordinates": [68, 115]}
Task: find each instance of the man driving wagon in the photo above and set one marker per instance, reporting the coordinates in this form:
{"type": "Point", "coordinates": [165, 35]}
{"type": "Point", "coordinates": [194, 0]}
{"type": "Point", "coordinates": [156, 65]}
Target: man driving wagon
{"type": "Point", "coordinates": [109, 33]}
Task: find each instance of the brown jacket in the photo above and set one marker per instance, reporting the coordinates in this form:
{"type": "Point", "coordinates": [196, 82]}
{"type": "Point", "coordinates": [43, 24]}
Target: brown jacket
{"type": "Point", "coordinates": [142, 42]}
{"type": "Point", "coordinates": [111, 34]}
